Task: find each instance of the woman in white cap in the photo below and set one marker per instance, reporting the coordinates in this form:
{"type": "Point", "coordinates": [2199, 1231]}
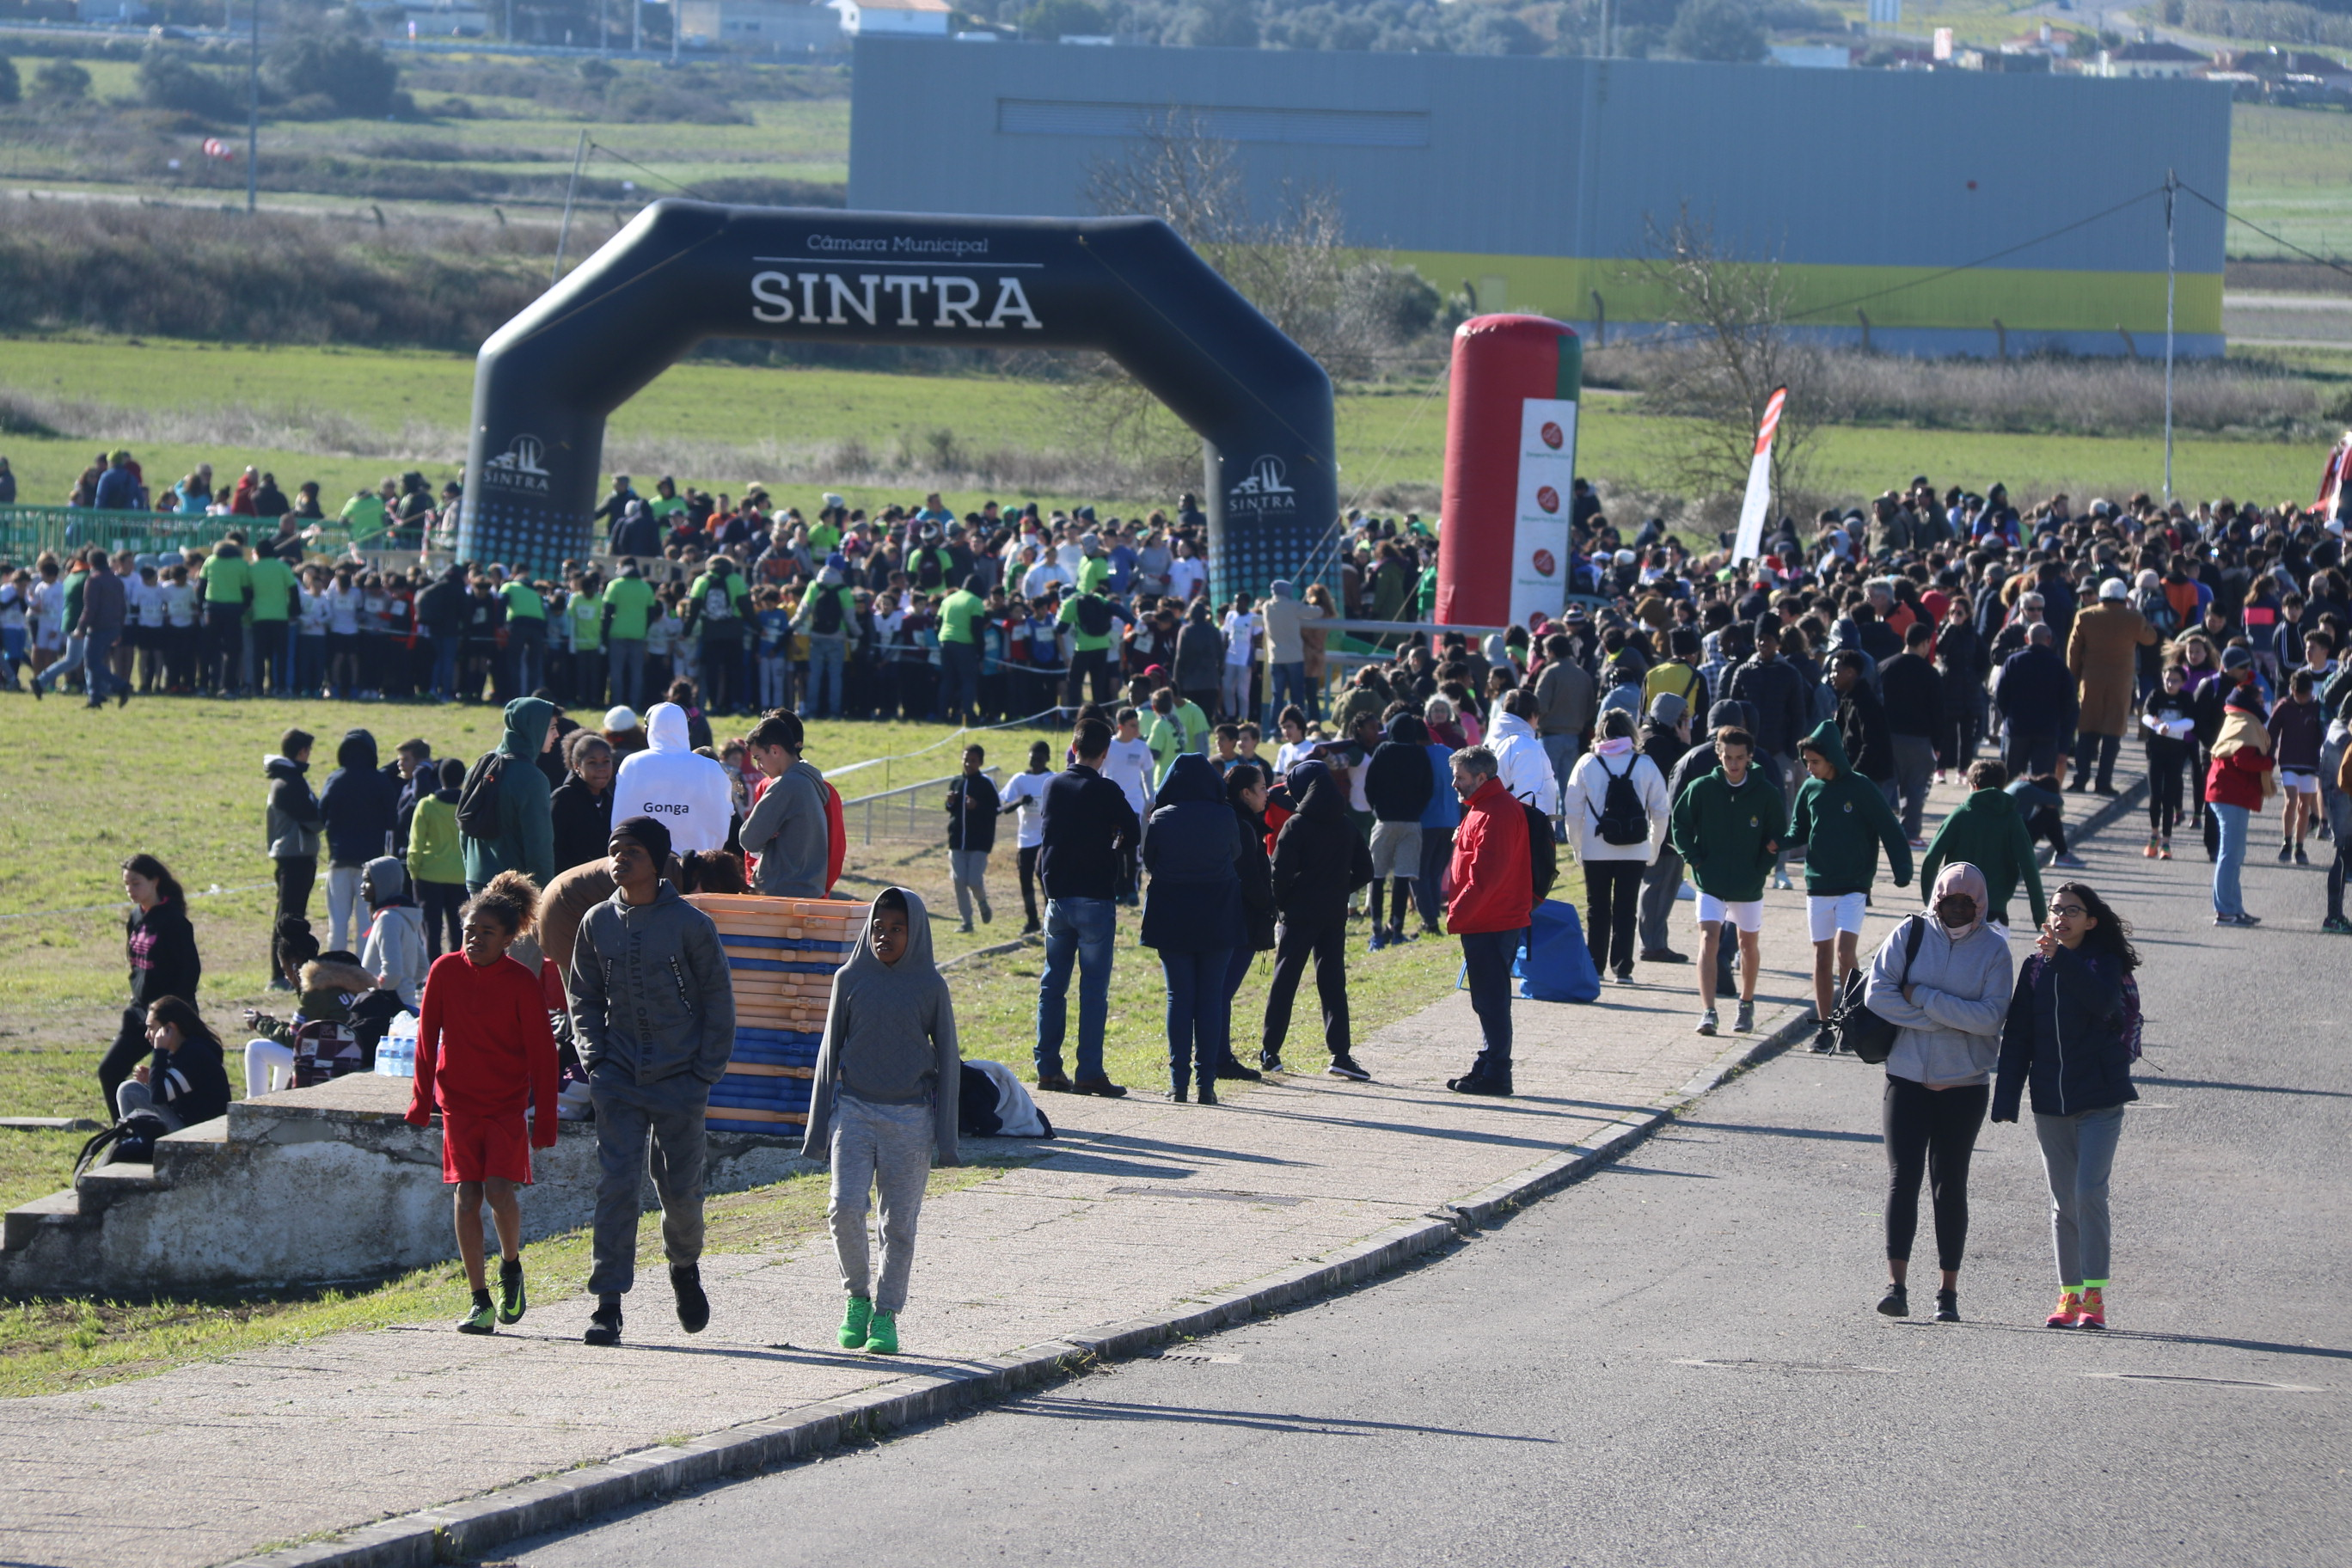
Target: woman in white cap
{"type": "Point", "coordinates": [622, 734]}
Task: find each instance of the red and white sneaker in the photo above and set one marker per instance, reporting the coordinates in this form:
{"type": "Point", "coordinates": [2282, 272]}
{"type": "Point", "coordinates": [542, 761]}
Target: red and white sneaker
{"type": "Point", "coordinates": [2094, 1314]}
{"type": "Point", "coordinates": [2069, 1312]}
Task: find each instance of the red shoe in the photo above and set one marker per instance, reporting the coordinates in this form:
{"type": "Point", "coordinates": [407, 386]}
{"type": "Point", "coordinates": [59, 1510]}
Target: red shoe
{"type": "Point", "coordinates": [2069, 1312]}
{"type": "Point", "coordinates": [2150, 850]}
{"type": "Point", "coordinates": [2094, 1314]}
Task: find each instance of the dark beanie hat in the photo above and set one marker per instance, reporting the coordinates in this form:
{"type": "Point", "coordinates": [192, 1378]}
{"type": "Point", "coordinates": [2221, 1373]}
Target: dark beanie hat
{"type": "Point", "coordinates": [648, 833]}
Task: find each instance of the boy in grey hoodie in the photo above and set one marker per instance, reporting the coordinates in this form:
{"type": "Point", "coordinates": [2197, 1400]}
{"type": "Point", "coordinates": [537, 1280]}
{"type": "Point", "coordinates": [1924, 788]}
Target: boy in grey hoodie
{"type": "Point", "coordinates": [883, 1107]}
{"type": "Point", "coordinates": [654, 1010]}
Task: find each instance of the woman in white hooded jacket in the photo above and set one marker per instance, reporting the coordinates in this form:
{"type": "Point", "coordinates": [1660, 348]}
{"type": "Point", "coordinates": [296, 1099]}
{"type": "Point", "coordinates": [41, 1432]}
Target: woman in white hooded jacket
{"type": "Point", "coordinates": [1612, 870]}
{"type": "Point", "coordinates": [1947, 1010]}
{"type": "Point", "coordinates": [1524, 769]}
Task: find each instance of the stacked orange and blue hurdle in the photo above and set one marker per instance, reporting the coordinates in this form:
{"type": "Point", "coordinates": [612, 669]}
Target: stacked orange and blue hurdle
{"type": "Point", "coordinates": [781, 954]}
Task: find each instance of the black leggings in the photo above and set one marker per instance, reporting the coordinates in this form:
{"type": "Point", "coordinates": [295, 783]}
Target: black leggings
{"type": "Point", "coordinates": [1028, 858]}
{"type": "Point", "coordinates": [1613, 899]}
{"type": "Point", "coordinates": [1398, 902]}
{"type": "Point", "coordinates": [1931, 1131]}
{"type": "Point", "coordinates": [443, 904]}
{"type": "Point", "coordinates": [2163, 792]}
{"type": "Point", "coordinates": [2049, 824]}
{"type": "Point", "coordinates": [128, 1049]}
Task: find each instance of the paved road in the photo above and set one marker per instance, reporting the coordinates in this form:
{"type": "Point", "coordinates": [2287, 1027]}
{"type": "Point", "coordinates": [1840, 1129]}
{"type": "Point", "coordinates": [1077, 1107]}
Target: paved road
{"type": "Point", "coordinates": [1676, 1359]}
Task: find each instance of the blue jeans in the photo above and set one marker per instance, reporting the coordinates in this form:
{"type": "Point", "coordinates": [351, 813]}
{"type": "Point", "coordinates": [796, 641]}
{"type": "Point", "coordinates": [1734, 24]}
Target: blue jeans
{"type": "Point", "coordinates": [1487, 957]}
{"type": "Point", "coordinates": [1083, 930]}
{"type": "Point", "coordinates": [446, 647]}
{"type": "Point", "coordinates": [959, 681]}
{"type": "Point", "coordinates": [1285, 684]}
{"type": "Point", "coordinates": [627, 655]}
{"type": "Point", "coordinates": [1199, 1013]}
{"type": "Point", "coordinates": [2229, 858]}
{"type": "Point", "coordinates": [77, 649]}
{"type": "Point", "coordinates": [824, 675]}
{"type": "Point", "coordinates": [98, 670]}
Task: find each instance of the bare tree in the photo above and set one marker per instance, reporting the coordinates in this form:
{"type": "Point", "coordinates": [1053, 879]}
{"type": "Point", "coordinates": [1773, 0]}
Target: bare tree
{"type": "Point", "coordinates": [1342, 305]}
{"type": "Point", "coordinates": [1726, 346]}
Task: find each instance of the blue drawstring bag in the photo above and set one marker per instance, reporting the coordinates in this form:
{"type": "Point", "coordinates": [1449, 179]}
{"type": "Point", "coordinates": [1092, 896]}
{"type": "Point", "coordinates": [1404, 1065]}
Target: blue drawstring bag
{"type": "Point", "coordinates": [1555, 965]}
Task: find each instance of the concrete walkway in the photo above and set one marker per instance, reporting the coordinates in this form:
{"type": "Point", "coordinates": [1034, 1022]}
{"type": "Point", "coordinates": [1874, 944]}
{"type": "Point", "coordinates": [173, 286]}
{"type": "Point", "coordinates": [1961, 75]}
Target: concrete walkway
{"type": "Point", "coordinates": [1141, 1207]}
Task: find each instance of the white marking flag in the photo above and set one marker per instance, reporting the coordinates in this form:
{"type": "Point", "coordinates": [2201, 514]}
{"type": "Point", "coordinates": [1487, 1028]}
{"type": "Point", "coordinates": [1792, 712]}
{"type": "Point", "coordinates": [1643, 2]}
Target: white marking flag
{"type": "Point", "coordinates": [1749, 544]}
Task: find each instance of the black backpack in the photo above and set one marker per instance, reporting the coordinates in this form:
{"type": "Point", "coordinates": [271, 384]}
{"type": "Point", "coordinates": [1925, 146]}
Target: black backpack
{"type": "Point", "coordinates": [1852, 1025]}
{"type": "Point", "coordinates": [826, 616]}
{"type": "Point", "coordinates": [1621, 820]}
{"type": "Point", "coordinates": [1543, 855]}
{"type": "Point", "coordinates": [478, 797]}
{"type": "Point", "coordinates": [1094, 614]}
{"type": "Point", "coordinates": [132, 1140]}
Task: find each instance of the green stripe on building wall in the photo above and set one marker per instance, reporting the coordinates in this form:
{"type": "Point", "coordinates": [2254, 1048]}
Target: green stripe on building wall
{"type": "Point", "coordinates": [2020, 299]}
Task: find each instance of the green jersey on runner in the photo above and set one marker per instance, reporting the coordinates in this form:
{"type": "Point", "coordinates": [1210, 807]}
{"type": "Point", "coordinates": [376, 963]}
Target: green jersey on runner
{"type": "Point", "coordinates": [629, 599]}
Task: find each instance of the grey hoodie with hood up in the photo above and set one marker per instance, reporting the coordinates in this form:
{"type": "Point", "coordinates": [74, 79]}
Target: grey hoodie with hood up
{"type": "Point", "coordinates": [1948, 1033]}
{"type": "Point", "coordinates": [889, 1038]}
{"type": "Point", "coordinates": [394, 949]}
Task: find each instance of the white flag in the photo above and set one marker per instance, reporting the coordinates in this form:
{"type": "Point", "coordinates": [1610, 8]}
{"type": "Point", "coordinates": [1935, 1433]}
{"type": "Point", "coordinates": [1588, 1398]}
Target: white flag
{"type": "Point", "coordinates": [1749, 544]}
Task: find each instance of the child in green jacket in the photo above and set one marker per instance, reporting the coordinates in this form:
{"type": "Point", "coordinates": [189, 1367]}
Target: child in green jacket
{"type": "Point", "coordinates": [1844, 819]}
{"type": "Point", "coordinates": [1727, 826]}
{"type": "Point", "coordinates": [437, 860]}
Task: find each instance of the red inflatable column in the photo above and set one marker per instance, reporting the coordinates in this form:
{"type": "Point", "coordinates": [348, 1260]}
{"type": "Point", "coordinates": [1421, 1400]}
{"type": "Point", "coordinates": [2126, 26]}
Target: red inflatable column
{"type": "Point", "coordinates": [1510, 452]}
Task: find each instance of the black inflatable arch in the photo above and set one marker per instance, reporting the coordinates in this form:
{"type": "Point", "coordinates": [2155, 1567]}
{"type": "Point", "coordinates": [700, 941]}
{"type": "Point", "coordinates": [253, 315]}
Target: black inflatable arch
{"type": "Point", "coordinates": [682, 271]}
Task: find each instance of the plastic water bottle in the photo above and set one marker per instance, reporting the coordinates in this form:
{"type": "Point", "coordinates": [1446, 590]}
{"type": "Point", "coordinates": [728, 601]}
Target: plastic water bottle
{"type": "Point", "coordinates": [396, 1056]}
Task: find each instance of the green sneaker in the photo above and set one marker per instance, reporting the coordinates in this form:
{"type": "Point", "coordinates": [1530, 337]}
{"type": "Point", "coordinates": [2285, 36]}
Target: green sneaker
{"type": "Point", "coordinates": [882, 1338]}
{"type": "Point", "coordinates": [512, 1301]}
{"type": "Point", "coordinates": [481, 1319]}
{"type": "Point", "coordinates": [854, 1321]}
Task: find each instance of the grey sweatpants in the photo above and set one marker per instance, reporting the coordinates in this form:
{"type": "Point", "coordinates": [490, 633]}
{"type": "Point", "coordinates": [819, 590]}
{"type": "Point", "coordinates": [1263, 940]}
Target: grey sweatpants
{"type": "Point", "coordinates": [2077, 1153]}
{"type": "Point", "coordinates": [1660, 884]}
{"type": "Point", "coordinates": [969, 869]}
{"type": "Point", "coordinates": [888, 1147]}
{"type": "Point", "coordinates": [132, 1095]}
{"type": "Point", "coordinates": [1914, 769]}
{"type": "Point", "coordinates": [669, 1116]}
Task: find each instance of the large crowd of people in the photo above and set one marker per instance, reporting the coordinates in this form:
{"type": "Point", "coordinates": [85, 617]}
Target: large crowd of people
{"type": "Point", "coordinates": [1685, 716]}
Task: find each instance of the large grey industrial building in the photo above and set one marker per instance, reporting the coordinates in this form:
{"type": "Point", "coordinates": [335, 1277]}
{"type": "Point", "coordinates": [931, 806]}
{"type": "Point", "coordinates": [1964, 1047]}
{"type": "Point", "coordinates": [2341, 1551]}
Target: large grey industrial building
{"type": "Point", "coordinates": [1943, 211]}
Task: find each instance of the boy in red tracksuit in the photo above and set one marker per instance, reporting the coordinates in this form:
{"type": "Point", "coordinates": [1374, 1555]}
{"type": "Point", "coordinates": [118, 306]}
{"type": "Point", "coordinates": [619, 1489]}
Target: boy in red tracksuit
{"type": "Point", "coordinates": [484, 1053]}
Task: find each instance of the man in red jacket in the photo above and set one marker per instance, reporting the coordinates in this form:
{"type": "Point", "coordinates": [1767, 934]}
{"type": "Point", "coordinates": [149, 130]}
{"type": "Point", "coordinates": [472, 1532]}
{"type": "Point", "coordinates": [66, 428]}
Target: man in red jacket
{"type": "Point", "coordinates": [1494, 899]}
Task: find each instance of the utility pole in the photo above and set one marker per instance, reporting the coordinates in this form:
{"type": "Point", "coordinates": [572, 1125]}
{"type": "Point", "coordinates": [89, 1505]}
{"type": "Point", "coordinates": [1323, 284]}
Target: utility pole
{"type": "Point", "coordinates": [637, 29]}
{"type": "Point", "coordinates": [2171, 185]}
{"type": "Point", "coordinates": [253, 118]}
{"type": "Point", "coordinates": [563, 234]}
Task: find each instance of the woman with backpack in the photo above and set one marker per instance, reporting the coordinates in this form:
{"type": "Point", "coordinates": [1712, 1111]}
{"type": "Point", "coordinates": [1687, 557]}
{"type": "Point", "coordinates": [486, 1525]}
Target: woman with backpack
{"type": "Point", "coordinates": [1942, 979]}
{"type": "Point", "coordinates": [1615, 803]}
{"type": "Point", "coordinates": [2071, 1035]}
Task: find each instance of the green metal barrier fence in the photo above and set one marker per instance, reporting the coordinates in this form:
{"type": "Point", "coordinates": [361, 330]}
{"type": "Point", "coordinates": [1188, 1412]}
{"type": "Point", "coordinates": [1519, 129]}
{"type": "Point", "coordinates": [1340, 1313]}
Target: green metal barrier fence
{"type": "Point", "coordinates": [26, 530]}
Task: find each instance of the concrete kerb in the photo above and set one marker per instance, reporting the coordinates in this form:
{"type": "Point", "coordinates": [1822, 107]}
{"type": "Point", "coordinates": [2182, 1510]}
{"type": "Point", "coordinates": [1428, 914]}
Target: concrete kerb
{"type": "Point", "coordinates": [463, 1532]}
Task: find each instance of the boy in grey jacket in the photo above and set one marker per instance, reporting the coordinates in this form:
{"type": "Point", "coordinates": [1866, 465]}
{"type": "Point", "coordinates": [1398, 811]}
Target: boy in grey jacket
{"type": "Point", "coordinates": [1947, 1012]}
{"type": "Point", "coordinates": [787, 829]}
{"type": "Point", "coordinates": [654, 1010]}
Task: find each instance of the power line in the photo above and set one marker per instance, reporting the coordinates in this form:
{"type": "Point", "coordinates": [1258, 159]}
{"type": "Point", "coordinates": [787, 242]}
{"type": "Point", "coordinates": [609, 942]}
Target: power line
{"type": "Point", "coordinates": [2266, 233]}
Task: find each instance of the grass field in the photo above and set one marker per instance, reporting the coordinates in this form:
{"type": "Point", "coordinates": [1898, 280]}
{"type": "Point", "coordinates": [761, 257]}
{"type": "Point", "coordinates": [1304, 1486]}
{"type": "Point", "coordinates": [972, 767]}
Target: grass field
{"type": "Point", "coordinates": [181, 779]}
{"type": "Point", "coordinates": [385, 411]}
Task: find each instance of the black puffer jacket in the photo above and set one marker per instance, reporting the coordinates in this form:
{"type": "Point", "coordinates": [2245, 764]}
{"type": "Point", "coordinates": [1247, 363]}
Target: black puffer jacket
{"type": "Point", "coordinates": [1193, 850]}
{"type": "Point", "coordinates": [1319, 859]}
{"type": "Point", "coordinates": [1399, 782]}
{"type": "Point", "coordinates": [1256, 869]}
{"type": "Point", "coordinates": [2071, 1022]}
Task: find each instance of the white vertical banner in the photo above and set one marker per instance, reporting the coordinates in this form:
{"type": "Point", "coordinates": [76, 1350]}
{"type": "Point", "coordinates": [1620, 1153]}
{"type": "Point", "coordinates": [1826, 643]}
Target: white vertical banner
{"type": "Point", "coordinates": [1540, 543]}
{"type": "Point", "coordinates": [1750, 542]}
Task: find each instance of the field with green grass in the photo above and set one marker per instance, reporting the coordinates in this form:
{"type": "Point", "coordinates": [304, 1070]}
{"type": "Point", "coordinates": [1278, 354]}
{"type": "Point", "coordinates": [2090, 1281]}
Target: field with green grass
{"type": "Point", "coordinates": [181, 779]}
{"type": "Point", "coordinates": [348, 417]}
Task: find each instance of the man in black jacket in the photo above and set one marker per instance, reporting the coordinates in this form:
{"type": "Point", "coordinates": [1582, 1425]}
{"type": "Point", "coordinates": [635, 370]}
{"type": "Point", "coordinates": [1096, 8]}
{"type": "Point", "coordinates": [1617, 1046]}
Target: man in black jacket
{"type": "Point", "coordinates": [1861, 721]}
{"type": "Point", "coordinates": [442, 611]}
{"type": "Point", "coordinates": [1775, 692]}
{"type": "Point", "coordinates": [2036, 697]}
{"type": "Point", "coordinates": [1913, 695]}
{"type": "Point", "coordinates": [1089, 827]}
{"type": "Point", "coordinates": [1319, 860]}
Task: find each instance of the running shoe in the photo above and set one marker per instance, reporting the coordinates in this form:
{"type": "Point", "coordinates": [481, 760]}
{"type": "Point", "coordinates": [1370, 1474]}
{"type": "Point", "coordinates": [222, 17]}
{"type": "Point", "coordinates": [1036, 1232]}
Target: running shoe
{"type": "Point", "coordinates": [605, 1324]}
{"type": "Point", "coordinates": [2165, 852]}
{"type": "Point", "coordinates": [1896, 1302]}
{"type": "Point", "coordinates": [2094, 1315]}
{"type": "Point", "coordinates": [2068, 1312]}
{"type": "Point", "coordinates": [1379, 940]}
{"type": "Point", "coordinates": [1948, 1306]}
{"type": "Point", "coordinates": [2336, 925]}
{"type": "Point", "coordinates": [1824, 1039]}
{"type": "Point", "coordinates": [1706, 1021]}
{"type": "Point", "coordinates": [2286, 853]}
{"type": "Point", "coordinates": [512, 1301]}
{"type": "Point", "coordinates": [481, 1319]}
{"type": "Point", "coordinates": [1746, 1022]}
{"type": "Point", "coordinates": [2150, 851]}
{"type": "Point", "coordinates": [693, 1306]}
{"type": "Point", "coordinates": [2302, 855]}
{"type": "Point", "coordinates": [854, 1320]}
{"type": "Point", "coordinates": [1347, 1066]}
{"type": "Point", "coordinates": [882, 1334]}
